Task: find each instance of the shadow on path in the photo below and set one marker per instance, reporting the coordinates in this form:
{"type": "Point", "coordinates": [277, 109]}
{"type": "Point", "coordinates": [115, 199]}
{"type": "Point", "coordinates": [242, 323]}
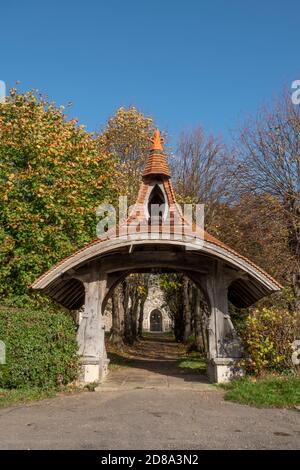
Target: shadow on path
{"type": "Point", "coordinates": [153, 362]}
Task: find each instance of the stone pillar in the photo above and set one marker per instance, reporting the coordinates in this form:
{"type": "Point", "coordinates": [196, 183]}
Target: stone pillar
{"type": "Point", "coordinates": [225, 348]}
{"type": "Point", "coordinates": [90, 335]}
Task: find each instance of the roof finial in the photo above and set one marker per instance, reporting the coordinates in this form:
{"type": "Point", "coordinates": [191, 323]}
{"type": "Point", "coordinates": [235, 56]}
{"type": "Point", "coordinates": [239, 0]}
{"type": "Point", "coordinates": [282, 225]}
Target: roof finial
{"type": "Point", "coordinates": [156, 163]}
{"type": "Point", "coordinates": [157, 141]}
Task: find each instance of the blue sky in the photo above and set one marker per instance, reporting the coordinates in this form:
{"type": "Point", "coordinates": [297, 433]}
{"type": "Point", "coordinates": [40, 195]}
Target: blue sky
{"type": "Point", "coordinates": [191, 62]}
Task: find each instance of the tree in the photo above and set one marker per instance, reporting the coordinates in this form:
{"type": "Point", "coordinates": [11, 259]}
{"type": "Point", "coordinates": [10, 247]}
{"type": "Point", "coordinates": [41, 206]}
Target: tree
{"type": "Point", "coordinates": [188, 308]}
{"type": "Point", "coordinates": [52, 178]}
{"type": "Point", "coordinates": [143, 294]}
{"type": "Point", "coordinates": [117, 330]}
{"type": "Point", "coordinates": [269, 151]}
{"type": "Point", "coordinates": [255, 226]}
{"type": "Point", "coordinates": [200, 320]}
{"type": "Point", "coordinates": [126, 138]}
{"type": "Point", "coordinates": [187, 314]}
{"type": "Point", "coordinates": [132, 293]}
{"type": "Point", "coordinates": [201, 171]}
{"type": "Point", "coordinates": [172, 285]}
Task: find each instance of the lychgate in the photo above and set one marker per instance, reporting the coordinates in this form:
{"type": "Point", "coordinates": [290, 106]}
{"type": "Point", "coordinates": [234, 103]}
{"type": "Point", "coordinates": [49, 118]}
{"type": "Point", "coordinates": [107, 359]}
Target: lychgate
{"type": "Point", "coordinates": [162, 239]}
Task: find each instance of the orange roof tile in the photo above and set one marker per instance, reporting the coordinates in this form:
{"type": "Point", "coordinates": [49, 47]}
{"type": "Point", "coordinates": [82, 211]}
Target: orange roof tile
{"type": "Point", "coordinates": [157, 162]}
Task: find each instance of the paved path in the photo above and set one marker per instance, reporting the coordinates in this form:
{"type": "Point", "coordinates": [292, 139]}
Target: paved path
{"type": "Point", "coordinates": [154, 365]}
{"type": "Point", "coordinates": [189, 415]}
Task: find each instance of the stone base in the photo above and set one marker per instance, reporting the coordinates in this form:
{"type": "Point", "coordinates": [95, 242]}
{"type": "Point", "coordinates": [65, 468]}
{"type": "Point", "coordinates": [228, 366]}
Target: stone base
{"type": "Point", "coordinates": [223, 369]}
{"type": "Point", "coordinates": [93, 369]}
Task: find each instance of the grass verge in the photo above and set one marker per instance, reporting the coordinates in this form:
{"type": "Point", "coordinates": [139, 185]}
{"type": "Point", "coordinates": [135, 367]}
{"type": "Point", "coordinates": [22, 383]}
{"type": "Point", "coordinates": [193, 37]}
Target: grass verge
{"type": "Point", "coordinates": [160, 334]}
{"type": "Point", "coordinates": [194, 362]}
{"type": "Point", "coordinates": [267, 392]}
{"type": "Point", "coordinates": [20, 396]}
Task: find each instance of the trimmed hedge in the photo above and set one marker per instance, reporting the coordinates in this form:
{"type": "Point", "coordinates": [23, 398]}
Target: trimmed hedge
{"type": "Point", "coordinates": [41, 348]}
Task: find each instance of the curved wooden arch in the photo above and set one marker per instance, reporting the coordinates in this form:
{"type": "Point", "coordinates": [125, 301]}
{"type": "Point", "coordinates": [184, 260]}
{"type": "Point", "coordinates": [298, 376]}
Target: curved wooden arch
{"type": "Point", "coordinates": [248, 282]}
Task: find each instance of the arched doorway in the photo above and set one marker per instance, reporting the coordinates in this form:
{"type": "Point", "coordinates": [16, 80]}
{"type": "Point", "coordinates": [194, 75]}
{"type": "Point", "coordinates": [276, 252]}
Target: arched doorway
{"type": "Point", "coordinates": [156, 321]}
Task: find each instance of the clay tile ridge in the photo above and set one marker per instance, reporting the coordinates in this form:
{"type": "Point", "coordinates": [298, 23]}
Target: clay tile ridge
{"type": "Point", "coordinates": [157, 162]}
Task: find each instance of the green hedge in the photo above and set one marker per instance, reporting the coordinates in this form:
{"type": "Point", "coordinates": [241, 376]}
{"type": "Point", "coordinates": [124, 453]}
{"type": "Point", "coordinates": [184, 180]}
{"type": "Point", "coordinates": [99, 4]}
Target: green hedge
{"type": "Point", "coordinates": [40, 348]}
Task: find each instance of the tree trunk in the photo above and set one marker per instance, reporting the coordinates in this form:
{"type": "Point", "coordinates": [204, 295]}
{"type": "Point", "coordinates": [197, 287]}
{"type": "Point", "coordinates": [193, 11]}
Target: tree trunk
{"type": "Point", "coordinates": [199, 340]}
{"type": "Point", "coordinates": [179, 325]}
{"type": "Point", "coordinates": [141, 317]}
{"type": "Point", "coordinates": [135, 301]}
{"type": "Point", "coordinates": [116, 334]}
{"type": "Point", "coordinates": [127, 313]}
{"type": "Point", "coordinates": [186, 310]}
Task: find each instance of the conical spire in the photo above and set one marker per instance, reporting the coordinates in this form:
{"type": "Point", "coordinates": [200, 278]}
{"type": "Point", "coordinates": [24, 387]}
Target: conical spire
{"type": "Point", "coordinates": [157, 162]}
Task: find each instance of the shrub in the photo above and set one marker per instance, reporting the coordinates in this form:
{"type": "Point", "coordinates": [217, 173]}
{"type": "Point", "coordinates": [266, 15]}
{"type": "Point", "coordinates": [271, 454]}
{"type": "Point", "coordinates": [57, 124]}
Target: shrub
{"type": "Point", "coordinates": [41, 349]}
{"type": "Point", "coordinates": [268, 335]}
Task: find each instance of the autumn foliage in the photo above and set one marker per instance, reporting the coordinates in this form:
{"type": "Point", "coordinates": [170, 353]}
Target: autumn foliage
{"type": "Point", "coordinates": [126, 137]}
{"type": "Point", "coordinates": [52, 178]}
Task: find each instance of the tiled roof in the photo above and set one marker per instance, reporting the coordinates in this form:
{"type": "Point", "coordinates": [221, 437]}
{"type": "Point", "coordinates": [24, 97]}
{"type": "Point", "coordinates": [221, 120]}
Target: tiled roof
{"type": "Point", "coordinates": [156, 165]}
{"type": "Point", "coordinates": [157, 161]}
